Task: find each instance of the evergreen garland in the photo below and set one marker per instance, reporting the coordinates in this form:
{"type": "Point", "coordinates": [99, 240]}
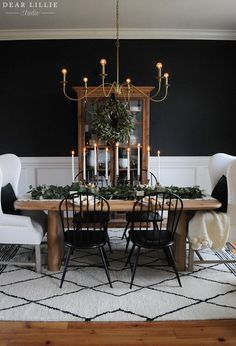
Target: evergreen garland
{"type": "Point", "coordinates": [126, 192]}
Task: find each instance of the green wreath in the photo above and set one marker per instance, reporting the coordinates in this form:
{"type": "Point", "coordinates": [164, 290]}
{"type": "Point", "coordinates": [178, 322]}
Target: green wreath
{"type": "Point", "coordinates": [113, 122]}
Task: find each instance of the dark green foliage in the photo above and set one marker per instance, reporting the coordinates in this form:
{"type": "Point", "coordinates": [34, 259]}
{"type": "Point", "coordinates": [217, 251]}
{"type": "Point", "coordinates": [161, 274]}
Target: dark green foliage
{"type": "Point", "coordinates": [126, 192]}
{"type": "Point", "coordinates": [113, 122]}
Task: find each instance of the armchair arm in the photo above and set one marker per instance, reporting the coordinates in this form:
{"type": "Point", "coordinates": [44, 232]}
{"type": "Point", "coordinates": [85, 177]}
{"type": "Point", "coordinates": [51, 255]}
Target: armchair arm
{"type": "Point", "coordinates": [15, 220]}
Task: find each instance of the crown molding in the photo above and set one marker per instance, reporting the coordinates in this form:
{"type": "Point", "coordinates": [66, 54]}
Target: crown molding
{"type": "Point", "coordinates": [168, 34]}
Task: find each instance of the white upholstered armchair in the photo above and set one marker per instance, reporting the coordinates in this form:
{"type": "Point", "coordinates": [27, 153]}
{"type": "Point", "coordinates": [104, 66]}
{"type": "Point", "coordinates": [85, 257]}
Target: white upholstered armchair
{"type": "Point", "coordinates": [16, 229]}
{"type": "Point", "coordinates": [222, 165]}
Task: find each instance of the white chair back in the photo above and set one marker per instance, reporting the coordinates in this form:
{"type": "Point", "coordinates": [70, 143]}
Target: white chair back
{"type": "Point", "coordinates": [224, 164]}
{"type": "Point", "coordinates": [10, 166]}
{"type": "Point", "coordinates": [218, 166]}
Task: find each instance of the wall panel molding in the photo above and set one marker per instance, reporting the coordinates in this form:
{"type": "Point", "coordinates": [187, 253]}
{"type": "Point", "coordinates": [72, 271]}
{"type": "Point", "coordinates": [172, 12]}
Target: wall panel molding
{"type": "Point", "coordinates": [180, 171]}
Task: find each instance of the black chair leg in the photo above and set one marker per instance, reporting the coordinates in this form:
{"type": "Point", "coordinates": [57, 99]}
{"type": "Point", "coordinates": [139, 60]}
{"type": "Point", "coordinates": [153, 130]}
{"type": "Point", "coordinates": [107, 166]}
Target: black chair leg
{"type": "Point", "coordinates": [130, 255]}
{"type": "Point", "coordinates": [135, 266]}
{"type": "Point", "coordinates": [171, 257]}
{"type": "Point", "coordinates": [127, 244]}
{"type": "Point", "coordinates": [105, 266]}
{"type": "Point", "coordinates": [109, 244]}
{"type": "Point", "coordinates": [125, 230]}
{"type": "Point", "coordinates": [105, 256]}
{"type": "Point", "coordinates": [66, 264]}
{"type": "Point", "coordinates": [167, 257]}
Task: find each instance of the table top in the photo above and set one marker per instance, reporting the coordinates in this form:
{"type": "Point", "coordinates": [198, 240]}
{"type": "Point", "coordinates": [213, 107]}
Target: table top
{"type": "Point", "coordinates": [116, 205]}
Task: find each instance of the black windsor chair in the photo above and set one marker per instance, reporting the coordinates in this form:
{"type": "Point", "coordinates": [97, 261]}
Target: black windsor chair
{"type": "Point", "coordinates": [84, 218]}
{"type": "Point", "coordinates": [79, 176]}
{"type": "Point", "coordinates": [164, 210]}
{"type": "Point", "coordinates": [131, 216]}
{"type": "Point", "coordinates": [152, 179]}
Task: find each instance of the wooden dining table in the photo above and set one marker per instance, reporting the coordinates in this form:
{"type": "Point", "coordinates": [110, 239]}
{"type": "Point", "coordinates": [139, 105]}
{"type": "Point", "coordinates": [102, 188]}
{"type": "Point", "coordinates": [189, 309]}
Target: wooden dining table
{"type": "Point", "coordinates": [55, 234]}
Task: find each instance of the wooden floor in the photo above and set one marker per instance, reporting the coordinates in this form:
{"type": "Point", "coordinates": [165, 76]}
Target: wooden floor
{"type": "Point", "coordinates": [214, 332]}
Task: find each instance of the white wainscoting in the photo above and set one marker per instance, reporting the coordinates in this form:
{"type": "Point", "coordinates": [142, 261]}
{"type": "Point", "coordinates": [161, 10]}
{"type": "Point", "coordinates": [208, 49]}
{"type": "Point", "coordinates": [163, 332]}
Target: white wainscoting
{"type": "Point", "coordinates": [174, 170]}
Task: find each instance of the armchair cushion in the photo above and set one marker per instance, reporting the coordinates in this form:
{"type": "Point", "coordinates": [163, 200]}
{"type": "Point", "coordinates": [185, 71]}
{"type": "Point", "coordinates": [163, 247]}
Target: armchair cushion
{"type": "Point", "coordinates": [220, 192]}
{"type": "Point", "coordinates": [8, 198]}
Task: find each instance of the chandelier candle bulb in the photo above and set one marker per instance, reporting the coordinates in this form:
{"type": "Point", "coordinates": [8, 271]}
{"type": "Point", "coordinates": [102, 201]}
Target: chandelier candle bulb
{"type": "Point", "coordinates": [95, 158]}
{"type": "Point", "coordinates": [106, 164]}
{"type": "Point", "coordinates": [73, 165]}
{"type": "Point", "coordinates": [128, 164]}
{"type": "Point", "coordinates": [84, 164]}
{"type": "Point", "coordinates": [117, 159]}
{"type": "Point", "coordinates": [103, 63]}
{"type": "Point", "coordinates": [64, 72]}
{"type": "Point", "coordinates": [166, 75]}
{"type": "Point", "coordinates": [138, 161]}
{"type": "Point", "coordinates": [159, 67]}
{"type": "Point", "coordinates": [85, 79]}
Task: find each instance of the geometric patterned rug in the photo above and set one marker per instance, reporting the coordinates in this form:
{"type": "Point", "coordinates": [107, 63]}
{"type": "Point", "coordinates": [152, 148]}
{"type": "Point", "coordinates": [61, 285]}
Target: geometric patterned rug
{"type": "Point", "coordinates": [207, 293]}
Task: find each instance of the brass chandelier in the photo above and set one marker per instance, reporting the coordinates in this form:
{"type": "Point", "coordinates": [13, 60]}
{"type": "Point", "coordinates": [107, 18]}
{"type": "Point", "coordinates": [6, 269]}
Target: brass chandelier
{"type": "Point", "coordinates": [124, 89]}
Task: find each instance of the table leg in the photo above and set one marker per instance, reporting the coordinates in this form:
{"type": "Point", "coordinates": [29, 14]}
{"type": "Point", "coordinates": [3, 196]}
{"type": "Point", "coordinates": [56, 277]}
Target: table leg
{"type": "Point", "coordinates": [55, 241]}
{"type": "Point", "coordinates": [180, 240]}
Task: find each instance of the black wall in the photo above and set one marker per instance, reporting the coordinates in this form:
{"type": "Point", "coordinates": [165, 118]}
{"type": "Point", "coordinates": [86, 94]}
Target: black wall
{"type": "Point", "coordinates": [197, 118]}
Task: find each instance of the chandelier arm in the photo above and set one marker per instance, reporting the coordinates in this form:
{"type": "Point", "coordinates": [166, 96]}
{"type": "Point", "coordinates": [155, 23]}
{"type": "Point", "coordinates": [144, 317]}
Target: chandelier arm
{"type": "Point", "coordinates": [71, 98]}
{"type": "Point", "coordinates": [92, 102]}
{"type": "Point", "coordinates": [113, 85]}
{"type": "Point", "coordinates": [162, 99]}
{"type": "Point", "coordinates": [150, 97]}
{"type": "Point", "coordinates": [158, 89]}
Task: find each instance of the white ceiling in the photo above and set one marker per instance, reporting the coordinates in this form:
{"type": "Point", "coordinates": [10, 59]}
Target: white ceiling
{"type": "Point", "coordinates": [193, 19]}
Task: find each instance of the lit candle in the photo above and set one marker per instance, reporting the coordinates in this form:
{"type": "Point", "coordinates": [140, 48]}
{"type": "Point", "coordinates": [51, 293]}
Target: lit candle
{"type": "Point", "coordinates": [106, 164]}
{"type": "Point", "coordinates": [128, 164]}
{"type": "Point", "coordinates": [73, 165]}
{"type": "Point", "coordinates": [159, 67]}
{"type": "Point", "coordinates": [128, 81]}
{"type": "Point", "coordinates": [158, 165]}
{"type": "Point", "coordinates": [148, 159]}
{"type": "Point", "coordinates": [85, 80]}
{"type": "Point", "coordinates": [64, 72]}
{"type": "Point", "coordinates": [138, 161]}
{"type": "Point", "coordinates": [95, 159]}
{"type": "Point", "coordinates": [103, 63]}
{"type": "Point", "coordinates": [84, 164]}
{"type": "Point", "coordinates": [117, 158]}
{"type": "Point", "coordinates": [166, 75]}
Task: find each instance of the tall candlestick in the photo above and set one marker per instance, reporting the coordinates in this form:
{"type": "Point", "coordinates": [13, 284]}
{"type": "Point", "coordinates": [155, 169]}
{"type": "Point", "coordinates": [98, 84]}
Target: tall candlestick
{"type": "Point", "coordinates": [148, 160]}
{"type": "Point", "coordinates": [106, 164]}
{"type": "Point", "coordinates": [73, 165]}
{"type": "Point", "coordinates": [138, 161]}
{"type": "Point", "coordinates": [84, 164]}
{"type": "Point", "coordinates": [158, 166]}
{"type": "Point", "coordinates": [128, 164]}
{"type": "Point", "coordinates": [148, 157]}
{"type": "Point", "coordinates": [95, 159]}
{"type": "Point", "coordinates": [117, 158]}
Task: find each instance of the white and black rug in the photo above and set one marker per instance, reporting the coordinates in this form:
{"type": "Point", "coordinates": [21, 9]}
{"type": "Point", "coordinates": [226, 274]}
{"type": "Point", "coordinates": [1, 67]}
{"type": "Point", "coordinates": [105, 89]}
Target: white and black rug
{"type": "Point", "coordinates": [207, 293]}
